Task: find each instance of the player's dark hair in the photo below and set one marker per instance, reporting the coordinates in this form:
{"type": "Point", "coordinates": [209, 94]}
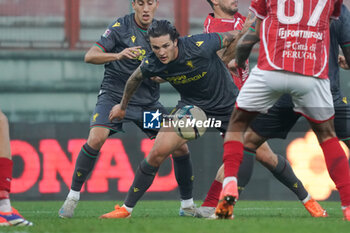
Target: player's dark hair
{"type": "Point", "coordinates": [210, 3]}
{"type": "Point", "coordinates": [161, 28]}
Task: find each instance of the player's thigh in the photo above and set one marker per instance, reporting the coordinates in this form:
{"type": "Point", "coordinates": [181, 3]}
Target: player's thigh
{"type": "Point", "coordinates": [311, 97]}
{"type": "Point", "coordinates": [260, 91]}
{"type": "Point", "coordinates": [342, 119]}
{"type": "Point", "coordinates": [166, 142]}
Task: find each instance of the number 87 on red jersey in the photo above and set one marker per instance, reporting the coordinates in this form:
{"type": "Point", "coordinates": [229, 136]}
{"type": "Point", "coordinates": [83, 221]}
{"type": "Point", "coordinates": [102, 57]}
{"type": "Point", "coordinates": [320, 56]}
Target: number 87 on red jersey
{"type": "Point", "coordinates": [295, 34]}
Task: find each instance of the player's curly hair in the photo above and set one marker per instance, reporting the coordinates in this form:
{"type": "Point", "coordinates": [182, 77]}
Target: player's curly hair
{"type": "Point", "coordinates": [162, 27]}
{"type": "Point", "coordinates": [210, 3]}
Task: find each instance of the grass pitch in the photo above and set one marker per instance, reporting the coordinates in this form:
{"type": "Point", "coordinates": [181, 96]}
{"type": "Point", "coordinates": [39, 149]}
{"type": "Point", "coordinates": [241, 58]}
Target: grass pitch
{"type": "Point", "coordinates": [162, 217]}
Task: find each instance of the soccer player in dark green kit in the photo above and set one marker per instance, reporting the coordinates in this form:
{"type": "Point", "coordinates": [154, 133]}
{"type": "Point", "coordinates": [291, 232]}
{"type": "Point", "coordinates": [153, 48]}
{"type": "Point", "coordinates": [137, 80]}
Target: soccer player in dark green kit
{"type": "Point", "coordinates": [121, 48]}
{"type": "Point", "coordinates": [191, 65]}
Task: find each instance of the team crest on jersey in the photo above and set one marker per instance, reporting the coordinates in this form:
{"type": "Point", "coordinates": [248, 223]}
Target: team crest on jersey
{"type": "Point", "coordinates": [117, 24]}
{"type": "Point", "coordinates": [133, 38]}
{"type": "Point", "coordinates": [199, 43]}
{"type": "Point", "coordinates": [189, 64]}
{"type": "Point", "coordinates": [106, 33]}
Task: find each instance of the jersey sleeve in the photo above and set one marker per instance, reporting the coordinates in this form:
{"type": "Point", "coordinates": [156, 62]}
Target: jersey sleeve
{"type": "Point", "coordinates": [110, 38]}
{"type": "Point", "coordinates": [337, 9]}
{"type": "Point", "coordinates": [344, 30]}
{"type": "Point", "coordinates": [259, 8]}
{"type": "Point", "coordinates": [207, 44]}
{"type": "Point", "coordinates": [148, 66]}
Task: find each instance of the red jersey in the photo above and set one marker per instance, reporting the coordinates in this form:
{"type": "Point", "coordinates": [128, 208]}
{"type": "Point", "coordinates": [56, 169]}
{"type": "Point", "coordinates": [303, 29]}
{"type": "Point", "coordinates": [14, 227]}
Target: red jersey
{"type": "Point", "coordinates": [212, 24]}
{"type": "Point", "coordinates": [294, 34]}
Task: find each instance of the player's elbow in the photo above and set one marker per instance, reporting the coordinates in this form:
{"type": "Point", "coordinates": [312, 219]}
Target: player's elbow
{"type": "Point", "coordinates": [3, 120]}
{"type": "Point", "coordinates": [88, 58]}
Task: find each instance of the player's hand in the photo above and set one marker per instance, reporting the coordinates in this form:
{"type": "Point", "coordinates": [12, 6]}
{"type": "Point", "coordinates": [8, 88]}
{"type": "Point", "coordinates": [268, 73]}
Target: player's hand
{"type": "Point", "coordinates": [116, 113]}
{"type": "Point", "coordinates": [129, 53]}
{"type": "Point", "coordinates": [158, 79]}
{"type": "Point", "coordinates": [233, 67]}
{"type": "Point", "coordinates": [251, 18]}
{"type": "Point", "coordinates": [342, 62]}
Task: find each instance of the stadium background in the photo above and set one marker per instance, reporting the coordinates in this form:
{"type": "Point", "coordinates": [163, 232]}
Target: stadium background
{"type": "Point", "coordinates": [48, 94]}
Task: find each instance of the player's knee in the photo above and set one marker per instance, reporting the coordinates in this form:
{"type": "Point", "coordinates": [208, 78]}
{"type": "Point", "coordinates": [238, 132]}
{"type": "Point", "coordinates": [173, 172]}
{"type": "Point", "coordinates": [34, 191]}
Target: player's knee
{"type": "Point", "coordinates": [324, 131]}
{"type": "Point", "coordinates": [156, 157]}
{"type": "Point", "coordinates": [96, 141]}
{"type": "Point", "coordinates": [267, 158]}
{"type": "Point", "coordinates": [3, 119]}
{"type": "Point", "coordinates": [183, 150]}
{"type": "Point", "coordinates": [252, 140]}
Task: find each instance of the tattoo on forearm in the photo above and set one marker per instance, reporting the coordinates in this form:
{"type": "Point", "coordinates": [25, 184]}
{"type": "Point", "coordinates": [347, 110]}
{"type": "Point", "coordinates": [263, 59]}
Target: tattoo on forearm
{"type": "Point", "coordinates": [244, 47]}
{"type": "Point", "coordinates": [131, 86]}
{"type": "Point", "coordinates": [228, 37]}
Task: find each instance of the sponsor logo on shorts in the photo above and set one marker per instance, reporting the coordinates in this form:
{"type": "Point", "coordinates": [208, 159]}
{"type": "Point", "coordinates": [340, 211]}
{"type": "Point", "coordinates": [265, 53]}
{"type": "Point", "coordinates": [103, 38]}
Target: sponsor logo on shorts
{"type": "Point", "coordinates": [345, 100]}
{"type": "Point", "coordinates": [136, 190]}
{"type": "Point", "coordinates": [95, 117]}
{"type": "Point", "coordinates": [151, 119]}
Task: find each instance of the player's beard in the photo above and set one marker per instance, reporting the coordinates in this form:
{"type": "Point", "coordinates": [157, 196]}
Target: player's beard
{"type": "Point", "coordinates": [229, 10]}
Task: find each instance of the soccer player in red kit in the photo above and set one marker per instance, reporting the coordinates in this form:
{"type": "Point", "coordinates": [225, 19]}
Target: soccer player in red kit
{"type": "Point", "coordinates": [9, 216]}
{"type": "Point", "coordinates": [293, 59]}
{"type": "Point", "coordinates": [226, 18]}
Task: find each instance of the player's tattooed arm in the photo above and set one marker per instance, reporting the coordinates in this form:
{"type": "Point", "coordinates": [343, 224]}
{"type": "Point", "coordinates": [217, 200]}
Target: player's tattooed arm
{"type": "Point", "coordinates": [229, 53]}
{"type": "Point", "coordinates": [344, 61]}
{"type": "Point", "coordinates": [228, 37]}
{"type": "Point", "coordinates": [119, 110]}
{"type": "Point", "coordinates": [246, 44]}
{"type": "Point", "coordinates": [131, 86]}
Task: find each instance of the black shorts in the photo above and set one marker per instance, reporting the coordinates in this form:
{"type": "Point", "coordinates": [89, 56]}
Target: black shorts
{"type": "Point", "coordinates": [342, 118]}
{"type": "Point", "coordinates": [281, 118]}
{"type": "Point", "coordinates": [134, 113]}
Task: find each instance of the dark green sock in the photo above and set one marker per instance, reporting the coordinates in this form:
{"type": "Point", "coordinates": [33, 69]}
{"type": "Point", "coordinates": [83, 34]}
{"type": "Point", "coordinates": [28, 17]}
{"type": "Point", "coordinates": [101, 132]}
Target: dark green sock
{"type": "Point", "coordinates": [245, 169]}
{"type": "Point", "coordinates": [144, 177]}
{"type": "Point", "coordinates": [284, 173]}
{"type": "Point", "coordinates": [83, 166]}
{"type": "Point", "coordinates": [184, 175]}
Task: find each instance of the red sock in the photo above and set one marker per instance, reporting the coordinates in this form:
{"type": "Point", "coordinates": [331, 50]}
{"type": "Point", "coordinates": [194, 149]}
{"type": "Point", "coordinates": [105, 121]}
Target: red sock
{"type": "Point", "coordinates": [5, 177]}
{"type": "Point", "coordinates": [212, 198]}
{"type": "Point", "coordinates": [338, 168]}
{"type": "Point", "coordinates": [233, 154]}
